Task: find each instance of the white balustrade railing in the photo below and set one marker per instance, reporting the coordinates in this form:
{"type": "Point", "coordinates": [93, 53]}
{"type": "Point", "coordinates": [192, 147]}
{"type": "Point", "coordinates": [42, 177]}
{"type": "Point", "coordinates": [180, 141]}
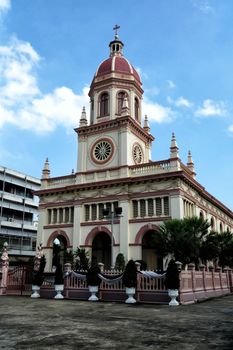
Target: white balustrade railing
{"type": "Point", "coordinates": [100, 175]}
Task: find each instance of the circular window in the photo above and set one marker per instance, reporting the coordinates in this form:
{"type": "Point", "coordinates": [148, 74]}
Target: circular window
{"type": "Point", "coordinates": [137, 154]}
{"type": "Point", "coordinates": [102, 151]}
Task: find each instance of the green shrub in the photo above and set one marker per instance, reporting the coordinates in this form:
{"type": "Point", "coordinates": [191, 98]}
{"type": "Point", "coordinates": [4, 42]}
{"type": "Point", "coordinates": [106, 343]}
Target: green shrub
{"type": "Point", "coordinates": [59, 279]}
{"type": "Point", "coordinates": [129, 278]}
{"type": "Point", "coordinates": [92, 274]}
{"type": "Point", "coordinates": [172, 279]}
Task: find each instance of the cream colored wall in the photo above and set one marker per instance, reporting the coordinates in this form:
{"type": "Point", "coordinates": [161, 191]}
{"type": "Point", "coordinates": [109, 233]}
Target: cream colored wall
{"type": "Point", "coordinates": [124, 232]}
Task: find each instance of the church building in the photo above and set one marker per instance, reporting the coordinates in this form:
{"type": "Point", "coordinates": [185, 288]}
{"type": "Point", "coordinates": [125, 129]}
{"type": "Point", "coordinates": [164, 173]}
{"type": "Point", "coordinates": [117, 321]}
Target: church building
{"type": "Point", "coordinates": [118, 196]}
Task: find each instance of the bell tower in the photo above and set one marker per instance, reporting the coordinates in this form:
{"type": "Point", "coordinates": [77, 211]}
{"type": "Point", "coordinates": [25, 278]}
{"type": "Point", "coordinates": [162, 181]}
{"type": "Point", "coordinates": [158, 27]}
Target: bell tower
{"type": "Point", "coordinates": [114, 136]}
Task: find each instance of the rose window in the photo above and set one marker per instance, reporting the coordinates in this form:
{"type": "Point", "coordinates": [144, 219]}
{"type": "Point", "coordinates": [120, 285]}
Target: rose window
{"type": "Point", "coordinates": [102, 151]}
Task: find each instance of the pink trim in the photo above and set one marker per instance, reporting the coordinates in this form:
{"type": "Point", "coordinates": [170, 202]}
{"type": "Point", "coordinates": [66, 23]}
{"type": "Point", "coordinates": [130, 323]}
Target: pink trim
{"type": "Point", "coordinates": [56, 234]}
{"type": "Point", "coordinates": [58, 226]}
{"type": "Point", "coordinates": [158, 218]}
{"type": "Point", "coordinates": [142, 231]}
{"type": "Point", "coordinates": [91, 235]}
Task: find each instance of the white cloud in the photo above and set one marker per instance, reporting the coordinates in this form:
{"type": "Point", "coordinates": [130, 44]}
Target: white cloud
{"type": "Point", "coordinates": [5, 5]}
{"type": "Point", "coordinates": [230, 128]}
{"type": "Point", "coordinates": [21, 101]}
{"type": "Point", "coordinates": [171, 84]}
{"type": "Point", "coordinates": [211, 108]}
{"type": "Point", "coordinates": [154, 91]}
{"type": "Point", "coordinates": [203, 6]}
{"type": "Point", "coordinates": [183, 102]}
{"type": "Point", "coordinates": [157, 112]}
{"type": "Point", "coordinates": [180, 102]}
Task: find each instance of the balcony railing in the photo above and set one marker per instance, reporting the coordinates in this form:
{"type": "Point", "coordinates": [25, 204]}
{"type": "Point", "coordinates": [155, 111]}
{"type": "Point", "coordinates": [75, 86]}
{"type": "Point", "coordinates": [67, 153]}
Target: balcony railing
{"type": "Point", "coordinates": [151, 168]}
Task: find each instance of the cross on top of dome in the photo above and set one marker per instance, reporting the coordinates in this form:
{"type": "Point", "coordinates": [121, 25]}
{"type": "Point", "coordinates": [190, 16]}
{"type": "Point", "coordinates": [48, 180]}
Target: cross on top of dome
{"type": "Point", "coordinates": [116, 31]}
{"type": "Point", "coordinates": [116, 45]}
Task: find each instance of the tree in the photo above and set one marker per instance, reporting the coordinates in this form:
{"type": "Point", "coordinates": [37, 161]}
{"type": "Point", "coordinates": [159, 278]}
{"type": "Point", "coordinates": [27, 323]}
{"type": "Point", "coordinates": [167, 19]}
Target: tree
{"type": "Point", "coordinates": [68, 256]}
{"type": "Point", "coordinates": [218, 247]}
{"type": "Point", "coordinates": [226, 249]}
{"type": "Point", "coordinates": [181, 238]}
{"type": "Point", "coordinates": [210, 248]}
{"type": "Point", "coordinates": [120, 262]}
{"type": "Point", "coordinates": [82, 259]}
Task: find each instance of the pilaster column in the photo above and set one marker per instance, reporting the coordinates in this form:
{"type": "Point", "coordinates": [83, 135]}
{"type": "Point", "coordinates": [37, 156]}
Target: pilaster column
{"type": "Point", "coordinates": [70, 214]}
{"type": "Point", "coordinates": [124, 231]}
{"type": "Point", "coordinates": [162, 206]}
{"type": "Point", "coordinates": [77, 238]}
{"type": "Point", "coordinates": [146, 207]}
{"type": "Point", "coordinates": [90, 212]}
{"type": "Point", "coordinates": [58, 215]}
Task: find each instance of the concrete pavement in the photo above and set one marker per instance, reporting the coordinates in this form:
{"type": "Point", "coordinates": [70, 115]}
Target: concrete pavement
{"type": "Point", "coordinates": [27, 323]}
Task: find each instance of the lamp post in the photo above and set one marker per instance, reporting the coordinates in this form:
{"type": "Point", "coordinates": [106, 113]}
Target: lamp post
{"type": "Point", "coordinates": [111, 215]}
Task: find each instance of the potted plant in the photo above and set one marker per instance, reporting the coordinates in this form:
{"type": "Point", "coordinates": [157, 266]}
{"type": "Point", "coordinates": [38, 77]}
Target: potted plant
{"type": "Point", "coordinates": [93, 280]}
{"type": "Point", "coordinates": [38, 278]}
{"type": "Point", "coordinates": [172, 282]}
{"type": "Point", "coordinates": [129, 280]}
{"type": "Point", "coordinates": [59, 282]}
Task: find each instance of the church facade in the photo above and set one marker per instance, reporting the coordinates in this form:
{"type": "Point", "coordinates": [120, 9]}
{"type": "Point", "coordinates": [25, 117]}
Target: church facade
{"type": "Point", "coordinates": [118, 196]}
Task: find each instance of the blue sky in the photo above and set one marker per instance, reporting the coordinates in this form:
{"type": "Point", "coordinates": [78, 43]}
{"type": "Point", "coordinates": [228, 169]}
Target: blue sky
{"type": "Point", "coordinates": [183, 49]}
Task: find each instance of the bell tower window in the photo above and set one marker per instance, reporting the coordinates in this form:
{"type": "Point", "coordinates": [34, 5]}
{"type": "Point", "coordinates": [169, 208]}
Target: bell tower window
{"type": "Point", "coordinates": [104, 104]}
{"type": "Point", "coordinates": [136, 109]}
{"type": "Point", "coordinates": [120, 99]}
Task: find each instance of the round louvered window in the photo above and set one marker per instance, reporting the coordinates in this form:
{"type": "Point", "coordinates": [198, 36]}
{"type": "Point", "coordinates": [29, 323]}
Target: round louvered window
{"type": "Point", "coordinates": [137, 154]}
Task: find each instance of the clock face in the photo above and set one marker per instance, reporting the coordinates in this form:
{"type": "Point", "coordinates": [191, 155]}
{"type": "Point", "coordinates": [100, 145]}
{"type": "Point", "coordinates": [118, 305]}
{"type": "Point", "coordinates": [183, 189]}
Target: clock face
{"type": "Point", "coordinates": [137, 154]}
{"type": "Point", "coordinates": [102, 151]}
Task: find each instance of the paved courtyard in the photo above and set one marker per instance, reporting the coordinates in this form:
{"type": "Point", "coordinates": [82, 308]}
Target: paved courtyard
{"type": "Point", "coordinates": [69, 324]}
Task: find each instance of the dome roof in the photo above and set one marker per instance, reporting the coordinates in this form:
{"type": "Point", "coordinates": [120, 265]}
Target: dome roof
{"type": "Point", "coordinates": [118, 64]}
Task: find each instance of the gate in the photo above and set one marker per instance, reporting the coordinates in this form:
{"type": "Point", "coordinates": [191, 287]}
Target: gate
{"type": "Point", "coordinates": [19, 281]}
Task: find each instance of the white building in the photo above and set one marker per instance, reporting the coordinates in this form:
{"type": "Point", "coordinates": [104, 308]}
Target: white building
{"type": "Point", "coordinates": [114, 169]}
{"type": "Point", "coordinates": [18, 213]}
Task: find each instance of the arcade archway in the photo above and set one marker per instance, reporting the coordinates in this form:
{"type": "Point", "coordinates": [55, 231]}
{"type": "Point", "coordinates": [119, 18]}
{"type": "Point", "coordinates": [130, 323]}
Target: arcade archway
{"type": "Point", "coordinates": [59, 250]}
{"type": "Point", "coordinates": [150, 254]}
{"type": "Point", "coordinates": [101, 248]}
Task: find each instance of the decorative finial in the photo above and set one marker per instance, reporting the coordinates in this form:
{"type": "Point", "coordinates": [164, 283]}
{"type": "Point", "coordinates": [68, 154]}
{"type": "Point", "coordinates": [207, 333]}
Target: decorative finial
{"type": "Point", "coordinates": [83, 119]}
{"type": "Point", "coordinates": [174, 150]}
{"type": "Point", "coordinates": [190, 164]}
{"type": "Point", "coordinates": [146, 125]}
{"type": "Point", "coordinates": [46, 170]}
{"type": "Point", "coordinates": [116, 31]}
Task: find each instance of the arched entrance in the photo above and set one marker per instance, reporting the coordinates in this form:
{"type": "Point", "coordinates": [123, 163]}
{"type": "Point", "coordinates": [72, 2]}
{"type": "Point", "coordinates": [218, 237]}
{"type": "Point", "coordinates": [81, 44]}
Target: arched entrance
{"type": "Point", "coordinates": [149, 252]}
{"type": "Point", "coordinates": [59, 250]}
{"type": "Point", "coordinates": [101, 249]}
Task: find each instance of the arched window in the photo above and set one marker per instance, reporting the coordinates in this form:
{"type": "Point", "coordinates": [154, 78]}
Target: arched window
{"type": "Point", "coordinates": [120, 99]}
{"type": "Point", "coordinates": [221, 228]}
{"type": "Point", "coordinates": [104, 104]}
{"type": "Point", "coordinates": [136, 108]}
{"type": "Point", "coordinates": [212, 224]}
{"type": "Point", "coordinates": [201, 215]}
